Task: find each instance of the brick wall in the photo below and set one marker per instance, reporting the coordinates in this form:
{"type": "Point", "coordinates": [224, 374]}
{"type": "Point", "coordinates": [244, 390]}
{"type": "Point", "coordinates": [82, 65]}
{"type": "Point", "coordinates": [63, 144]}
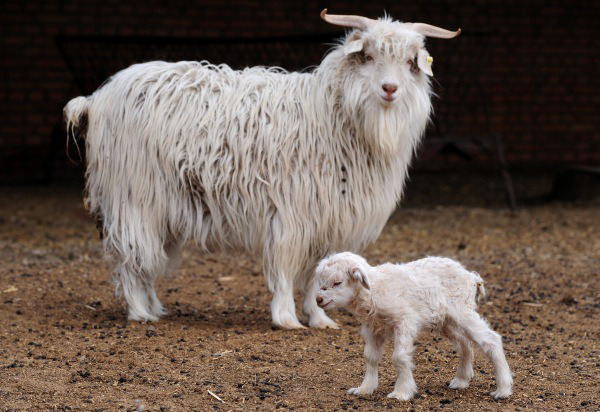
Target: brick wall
{"type": "Point", "coordinates": [540, 81]}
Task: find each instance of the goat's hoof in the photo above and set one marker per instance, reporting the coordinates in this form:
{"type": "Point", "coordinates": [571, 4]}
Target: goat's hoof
{"type": "Point", "coordinates": [403, 396]}
{"type": "Point", "coordinates": [287, 320]}
{"type": "Point", "coordinates": [142, 316]}
{"type": "Point", "coordinates": [323, 324]}
{"type": "Point", "coordinates": [457, 383]}
{"type": "Point", "coordinates": [360, 391]}
{"type": "Point", "coordinates": [501, 393]}
{"type": "Point", "coordinates": [318, 319]}
{"type": "Point", "coordinates": [289, 324]}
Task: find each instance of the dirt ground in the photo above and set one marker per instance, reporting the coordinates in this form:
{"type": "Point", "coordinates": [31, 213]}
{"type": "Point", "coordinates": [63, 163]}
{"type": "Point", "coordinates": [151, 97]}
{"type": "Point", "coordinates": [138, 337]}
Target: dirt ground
{"type": "Point", "coordinates": [65, 342]}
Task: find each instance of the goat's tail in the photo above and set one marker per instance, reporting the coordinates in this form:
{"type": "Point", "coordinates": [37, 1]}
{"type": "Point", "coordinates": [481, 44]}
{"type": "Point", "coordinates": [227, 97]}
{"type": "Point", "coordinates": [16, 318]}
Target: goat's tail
{"type": "Point", "coordinates": [76, 113]}
{"type": "Point", "coordinates": [76, 118]}
{"type": "Point", "coordinates": [480, 293]}
{"type": "Point", "coordinates": [480, 290]}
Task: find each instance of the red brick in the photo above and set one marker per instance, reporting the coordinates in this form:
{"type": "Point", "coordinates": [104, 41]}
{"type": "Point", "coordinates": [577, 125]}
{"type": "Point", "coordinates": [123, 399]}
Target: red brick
{"type": "Point", "coordinates": [539, 83]}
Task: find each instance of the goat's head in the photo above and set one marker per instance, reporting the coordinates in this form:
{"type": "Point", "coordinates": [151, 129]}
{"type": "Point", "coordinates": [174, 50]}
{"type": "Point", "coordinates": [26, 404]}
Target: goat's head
{"type": "Point", "coordinates": [388, 55]}
{"type": "Point", "coordinates": [385, 80]}
{"type": "Point", "coordinates": [340, 277]}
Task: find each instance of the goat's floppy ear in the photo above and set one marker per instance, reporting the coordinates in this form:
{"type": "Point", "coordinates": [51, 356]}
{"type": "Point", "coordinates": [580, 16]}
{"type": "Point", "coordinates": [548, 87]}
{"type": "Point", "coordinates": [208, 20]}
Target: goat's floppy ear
{"type": "Point", "coordinates": [360, 275]}
{"type": "Point", "coordinates": [353, 47]}
{"type": "Point", "coordinates": [424, 61]}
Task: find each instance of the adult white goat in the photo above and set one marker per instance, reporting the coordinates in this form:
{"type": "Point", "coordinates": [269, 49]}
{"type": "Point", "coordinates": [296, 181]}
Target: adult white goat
{"type": "Point", "coordinates": [287, 166]}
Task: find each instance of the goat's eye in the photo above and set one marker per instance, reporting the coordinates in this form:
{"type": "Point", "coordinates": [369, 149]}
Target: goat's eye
{"type": "Point", "coordinates": [323, 288]}
{"type": "Point", "coordinates": [369, 58]}
{"type": "Point", "coordinates": [414, 67]}
{"type": "Point", "coordinates": [336, 284]}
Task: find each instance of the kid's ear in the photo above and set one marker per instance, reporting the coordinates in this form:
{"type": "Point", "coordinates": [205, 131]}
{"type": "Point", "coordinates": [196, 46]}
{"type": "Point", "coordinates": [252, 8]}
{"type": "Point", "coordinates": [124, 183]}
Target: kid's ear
{"type": "Point", "coordinates": [360, 275]}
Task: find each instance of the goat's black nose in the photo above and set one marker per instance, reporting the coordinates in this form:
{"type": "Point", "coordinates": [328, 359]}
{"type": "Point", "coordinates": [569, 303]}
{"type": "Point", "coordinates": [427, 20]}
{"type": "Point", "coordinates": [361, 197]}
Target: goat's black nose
{"type": "Point", "coordinates": [319, 300]}
{"type": "Point", "coordinates": [390, 88]}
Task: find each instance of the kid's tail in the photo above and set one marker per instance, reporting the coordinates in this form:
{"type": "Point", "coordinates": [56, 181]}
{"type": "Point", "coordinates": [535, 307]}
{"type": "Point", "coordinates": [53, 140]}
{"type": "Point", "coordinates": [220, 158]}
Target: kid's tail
{"type": "Point", "coordinates": [480, 290]}
{"type": "Point", "coordinates": [480, 293]}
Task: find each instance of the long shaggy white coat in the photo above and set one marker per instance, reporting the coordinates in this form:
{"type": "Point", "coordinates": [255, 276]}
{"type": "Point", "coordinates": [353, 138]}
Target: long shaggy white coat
{"type": "Point", "coordinates": [287, 166]}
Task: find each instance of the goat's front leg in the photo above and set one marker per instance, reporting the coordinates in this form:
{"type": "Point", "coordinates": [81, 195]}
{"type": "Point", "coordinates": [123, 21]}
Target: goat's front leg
{"type": "Point", "coordinates": [283, 308]}
{"type": "Point", "coordinates": [280, 272]}
{"type": "Point", "coordinates": [404, 336]}
{"type": "Point", "coordinates": [374, 345]}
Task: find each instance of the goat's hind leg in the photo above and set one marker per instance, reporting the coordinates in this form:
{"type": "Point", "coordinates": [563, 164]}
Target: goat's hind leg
{"type": "Point", "coordinates": [172, 250]}
{"type": "Point", "coordinates": [490, 343]}
{"type": "Point", "coordinates": [464, 348]}
{"type": "Point", "coordinates": [138, 266]}
{"type": "Point", "coordinates": [138, 291]}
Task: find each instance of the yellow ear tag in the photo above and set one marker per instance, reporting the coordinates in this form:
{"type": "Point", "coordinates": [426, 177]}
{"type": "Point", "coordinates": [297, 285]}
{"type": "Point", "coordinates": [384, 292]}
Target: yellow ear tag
{"type": "Point", "coordinates": [429, 63]}
{"type": "Point", "coordinates": [424, 61]}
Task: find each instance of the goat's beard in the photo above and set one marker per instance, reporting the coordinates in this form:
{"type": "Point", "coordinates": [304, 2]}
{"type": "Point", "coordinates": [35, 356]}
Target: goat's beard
{"type": "Point", "coordinates": [382, 127]}
{"type": "Point", "coordinates": [389, 129]}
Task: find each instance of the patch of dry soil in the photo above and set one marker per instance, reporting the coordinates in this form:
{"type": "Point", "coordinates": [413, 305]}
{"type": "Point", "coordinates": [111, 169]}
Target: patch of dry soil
{"type": "Point", "coordinates": [65, 343]}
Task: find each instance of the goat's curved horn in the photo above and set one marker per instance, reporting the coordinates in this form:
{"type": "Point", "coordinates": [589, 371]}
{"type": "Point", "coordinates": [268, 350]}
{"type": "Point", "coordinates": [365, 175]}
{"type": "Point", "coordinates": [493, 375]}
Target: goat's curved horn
{"type": "Point", "coordinates": [433, 31]}
{"type": "Point", "coordinates": [356, 22]}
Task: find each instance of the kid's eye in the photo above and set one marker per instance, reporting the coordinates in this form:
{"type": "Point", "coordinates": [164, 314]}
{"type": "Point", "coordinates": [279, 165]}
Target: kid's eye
{"type": "Point", "coordinates": [336, 284]}
{"type": "Point", "coordinates": [369, 58]}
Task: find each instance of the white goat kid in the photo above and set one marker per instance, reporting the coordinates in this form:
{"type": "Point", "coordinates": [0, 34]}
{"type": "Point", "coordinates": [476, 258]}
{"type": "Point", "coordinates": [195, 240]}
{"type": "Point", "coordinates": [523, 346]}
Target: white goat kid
{"type": "Point", "coordinates": [287, 166]}
{"type": "Point", "coordinates": [399, 301]}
